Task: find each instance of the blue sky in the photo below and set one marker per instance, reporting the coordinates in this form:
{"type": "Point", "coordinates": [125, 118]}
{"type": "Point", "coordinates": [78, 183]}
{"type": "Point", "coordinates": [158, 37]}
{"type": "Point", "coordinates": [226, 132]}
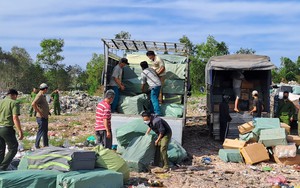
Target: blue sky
{"type": "Point", "coordinates": [270, 27]}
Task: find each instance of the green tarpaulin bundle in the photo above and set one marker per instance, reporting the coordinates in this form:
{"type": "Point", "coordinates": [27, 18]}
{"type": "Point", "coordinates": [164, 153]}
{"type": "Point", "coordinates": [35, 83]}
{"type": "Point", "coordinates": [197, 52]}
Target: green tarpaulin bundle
{"type": "Point", "coordinates": [133, 105]}
{"type": "Point", "coordinates": [172, 110]}
{"type": "Point", "coordinates": [140, 153]}
{"type": "Point", "coordinates": [100, 178]}
{"type": "Point", "coordinates": [249, 137]}
{"type": "Point", "coordinates": [265, 123]}
{"type": "Point", "coordinates": [28, 178]}
{"type": "Point", "coordinates": [230, 155]}
{"type": "Point", "coordinates": [130, 130]}
{"type": "Point", "coordinates": [109, 159]}
{"type": "Point", "coordinates": [273, 137]}
{"type": "Point", "coordinates": [176, 153]}
{"type": "Point", "coordinates": [56, 158]}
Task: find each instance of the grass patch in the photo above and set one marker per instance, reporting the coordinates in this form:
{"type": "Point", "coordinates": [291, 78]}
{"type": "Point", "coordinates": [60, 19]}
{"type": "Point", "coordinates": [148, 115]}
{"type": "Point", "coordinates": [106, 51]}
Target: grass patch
{"type": "Point", "coordinates": [198, 94]}
{"type": "Point", "coordinates": [74, 123]}
{"type": "Point", "coordinates": [23, 100]}
{"type": "Point", "coordinates": [56, 142]}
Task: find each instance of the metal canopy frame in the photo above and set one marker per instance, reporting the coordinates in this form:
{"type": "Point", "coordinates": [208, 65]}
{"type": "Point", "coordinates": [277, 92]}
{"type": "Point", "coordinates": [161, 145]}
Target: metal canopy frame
{"type": "Point", "coordinates": [137, 45]}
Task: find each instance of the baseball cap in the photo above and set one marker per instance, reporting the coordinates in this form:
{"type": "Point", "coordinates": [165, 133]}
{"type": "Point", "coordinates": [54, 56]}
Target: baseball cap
{"type": "Point", "coordinates": [254, 92]}
{"type": "Point", "coordinates": [43, 86]}
{"type": "Point", "coordinates": [124, 60]}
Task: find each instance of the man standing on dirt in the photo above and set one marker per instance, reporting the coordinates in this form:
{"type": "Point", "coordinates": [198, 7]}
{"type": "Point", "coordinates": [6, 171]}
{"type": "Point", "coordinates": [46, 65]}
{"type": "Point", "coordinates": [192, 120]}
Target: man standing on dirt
{"type": "Point", "coordinates": [9, 116]}
{"type": "Point", "coordinates": [32, 96]}
{"type": "Point", "coordinates": [41, 106]}
{"type": "Point", "coordinates": [56, 105]}
{"type": "Point", "coordinates": [116, 82]}
{"type": "Point", "coordinates": [103, 120]}
{"type": "Point", "coordinates": [150, 77]}
{"type": "Point", "coordinates": [164, 132]}
{"type": "Point", "coordinates": [159, 66]}
{"type": "Point", "coordinates": [224, 116]}
{"type": "Point", "coordinates": [257, 105]}
{"type": "Point", "coordinates": [286, 109]}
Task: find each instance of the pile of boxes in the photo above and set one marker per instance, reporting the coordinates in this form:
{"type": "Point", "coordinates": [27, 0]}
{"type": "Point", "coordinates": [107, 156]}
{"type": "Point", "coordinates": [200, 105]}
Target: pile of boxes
{"type": "Point", "coordinates": [261, 140]}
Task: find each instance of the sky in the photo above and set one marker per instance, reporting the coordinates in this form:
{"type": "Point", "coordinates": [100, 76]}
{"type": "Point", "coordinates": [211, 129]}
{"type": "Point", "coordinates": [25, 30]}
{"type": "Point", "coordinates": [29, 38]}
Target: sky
{"type": "Point", "coordinates": [270, 27]}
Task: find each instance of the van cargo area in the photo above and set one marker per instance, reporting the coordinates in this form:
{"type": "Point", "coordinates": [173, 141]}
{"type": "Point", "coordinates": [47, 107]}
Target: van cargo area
{"type": "Point", "coordinates": [257, 76]}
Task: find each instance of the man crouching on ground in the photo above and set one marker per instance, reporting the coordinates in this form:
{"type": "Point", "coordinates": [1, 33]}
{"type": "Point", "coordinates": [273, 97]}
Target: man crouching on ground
{"type": "Point", "coordinates": [164, 132]}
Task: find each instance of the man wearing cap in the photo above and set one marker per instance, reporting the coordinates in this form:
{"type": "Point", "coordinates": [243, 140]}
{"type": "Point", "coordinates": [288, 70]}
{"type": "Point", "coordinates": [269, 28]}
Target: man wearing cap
{"type": "Point", "coordinates": [41, 106]}
{"type": "Point", "coordinates": [103, 120]}
{"type": "Point", "coordinates": [116, 82]}
{"type": "Point", "coordinates": [9, 116]}
{"type": "Point", "coordinates": [286, 109]}
{"type": "Point", "coordinates": [159, 66]}
{"type": "Point", "coordinates": [257, 105]}
{"type": "Point", "coordinates": [164, 132]}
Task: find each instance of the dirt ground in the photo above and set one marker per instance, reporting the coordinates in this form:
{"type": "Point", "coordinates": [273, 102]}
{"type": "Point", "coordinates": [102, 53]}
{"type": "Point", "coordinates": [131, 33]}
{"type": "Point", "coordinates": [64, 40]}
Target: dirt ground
{"type": "Point", "coordinates": [192, 173]}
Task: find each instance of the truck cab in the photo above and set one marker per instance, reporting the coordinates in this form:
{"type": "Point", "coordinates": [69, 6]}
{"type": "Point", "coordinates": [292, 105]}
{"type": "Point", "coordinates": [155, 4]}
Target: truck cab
{"type": "Point", "coordinates": [132, 102]}
{"type": "Point", "coordinates": [256, 70]}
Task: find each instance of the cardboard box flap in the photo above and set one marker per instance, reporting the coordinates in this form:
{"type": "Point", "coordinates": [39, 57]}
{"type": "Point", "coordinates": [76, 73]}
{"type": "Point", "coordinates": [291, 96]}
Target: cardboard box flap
{"type": "Point", "coordinates": [294, 138]}
{"type": "Point", "coordinates": [246, 127]}
{"type": "Point", "coordinates": [233, 144]}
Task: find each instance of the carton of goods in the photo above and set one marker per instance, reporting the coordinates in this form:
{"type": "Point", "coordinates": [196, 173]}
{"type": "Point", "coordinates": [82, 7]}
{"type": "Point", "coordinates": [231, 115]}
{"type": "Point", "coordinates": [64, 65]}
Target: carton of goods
{"type": "Point", "coordinates": [265, 123]}
{"type": "Point", "coordinates": [249, 137]}
{"type": "Point", "coordinates": [246, 127]}
{"type": "Point", "coordinates": [216, 108]}
{"type": "Point", "coordinates": [284, 151]}
{"type": "Point", "coordinates": [288, 161]}
{"type": "Point", "coordinates": [245, 96]}
{"type": "Point", "coordinates": [286, 127]}
{"type": "Point", "coordinates": [255, 153]}
{"type": "Point", "coordinates": [230, 155]}
{"type": "Point", "coordinates": [233, 144]}
{"type": "Point", "coordinates": [247, 85]}
{"type": "Point", "coordinates": [273, 137]}
{"type": "Point", "coordinates": [294, 138]}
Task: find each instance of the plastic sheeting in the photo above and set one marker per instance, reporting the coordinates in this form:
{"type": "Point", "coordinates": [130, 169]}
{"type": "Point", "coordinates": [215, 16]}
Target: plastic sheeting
{"type": "Point", "coordinates": [111, 160]}
{"type": "Point", "coordinates": [99, 178]}
{"type": "Point", "coordinates": [28, 178]}
{"type": "Point", "coordinates": [230, 155]}
{"type": "Point", "coordinates": [265, 123]}
{"type": "Point", "coordinates": [130, 130]}
{"type": "Point", "coordinates": [172, 110]}
{"type": "Point", "coordinates": [140, 153]}
{"type": "Point", "coordinates": [176, 153]}
{"type": "Point", "coordinates": [133, 105]}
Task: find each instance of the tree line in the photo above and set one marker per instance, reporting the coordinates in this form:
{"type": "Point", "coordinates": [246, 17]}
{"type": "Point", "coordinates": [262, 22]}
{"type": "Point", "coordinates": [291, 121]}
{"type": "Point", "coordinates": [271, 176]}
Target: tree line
{"type": "Point", "coordinates": [18, 70]}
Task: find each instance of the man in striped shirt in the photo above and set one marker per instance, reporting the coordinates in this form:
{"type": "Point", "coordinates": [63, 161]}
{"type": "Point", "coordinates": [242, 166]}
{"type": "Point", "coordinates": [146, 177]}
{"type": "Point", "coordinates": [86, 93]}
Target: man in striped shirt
{"type": "Point", "coordinates": [103, 120]}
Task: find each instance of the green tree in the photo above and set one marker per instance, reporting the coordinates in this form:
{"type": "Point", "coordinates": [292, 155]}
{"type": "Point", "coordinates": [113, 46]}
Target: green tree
{"type": "Point", "coordinates": [123, 35]}
{"type": "Point", "coordinates": [245, 51]}
{"type": "Point", "coordinates": [94, 71]}
{"type": "Point", "coordinates": [50, 53]}
{"type": "Point", "coordinates": [188, 44]}
{"type": "Point", "coordinates": [203, 52]}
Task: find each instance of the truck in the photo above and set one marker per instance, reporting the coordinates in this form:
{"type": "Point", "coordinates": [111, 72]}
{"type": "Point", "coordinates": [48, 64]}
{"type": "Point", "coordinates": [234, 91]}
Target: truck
{"type": "Point", "coordinates": [218, 78]}
{"type": "Point", "coordinates": [132, 101]}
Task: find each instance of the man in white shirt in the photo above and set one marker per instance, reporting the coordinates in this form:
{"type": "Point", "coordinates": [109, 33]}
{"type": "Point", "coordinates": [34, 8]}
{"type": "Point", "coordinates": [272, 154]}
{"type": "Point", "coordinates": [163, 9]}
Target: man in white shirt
{"type": "Point", "coordinates": [159, 66]}
{"type": "Point", "coordinates": [150, 77]}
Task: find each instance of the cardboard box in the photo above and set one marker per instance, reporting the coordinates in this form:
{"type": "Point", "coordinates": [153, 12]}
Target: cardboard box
{"type": "Point", "coordinates": [286, 127]}
{"type": "Point", "coordinates": [273, 137]}
{"type": "Point", "coordinates": [246, 127]}
{"type": "Point", "coordinates": [230, 155]}
{"type": "Point", "coordinates": [216, 108]}
{"type": "Point", "coordinates": [233, 144]}
{"type": "Point", "coordinates": [255, 153]}
{"type": "Point", "coordinates": [282, 151]}
{"type": "Point", "coordinates": [294, 138]}
{"type": "Point", "coordinates": [247, 84]}
{"type": "Point", "coordinates": [245, 96]}
{"type": "Point", "coordinates": [288, 161]}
